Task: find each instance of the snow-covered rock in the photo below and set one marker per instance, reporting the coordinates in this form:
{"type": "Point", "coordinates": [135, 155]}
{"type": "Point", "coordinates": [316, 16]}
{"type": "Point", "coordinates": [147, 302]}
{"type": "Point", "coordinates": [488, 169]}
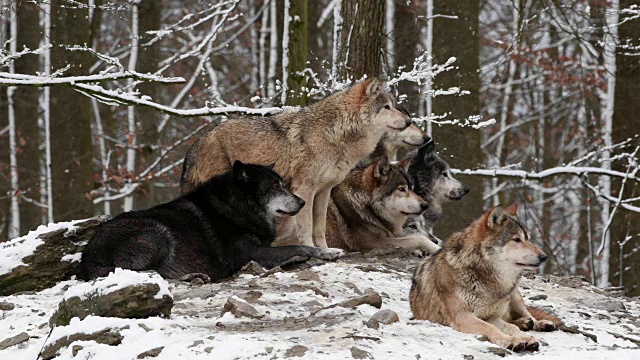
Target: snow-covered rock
{"type": "Point", "coordinates": [123, 294]}
{"type": "Point", "coordinates": [291, 326]}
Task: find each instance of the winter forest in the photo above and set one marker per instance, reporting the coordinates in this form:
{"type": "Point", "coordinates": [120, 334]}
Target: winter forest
{"type": "Point", "coordinates": [534, 101]}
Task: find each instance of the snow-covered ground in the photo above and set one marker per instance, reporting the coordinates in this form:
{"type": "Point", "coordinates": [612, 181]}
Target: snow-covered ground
{"type": "Point", "coordinates": [289, 323]}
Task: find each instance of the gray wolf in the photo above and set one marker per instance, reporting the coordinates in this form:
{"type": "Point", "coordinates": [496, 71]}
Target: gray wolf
{"type": "Point", "coordinates": [313, 149]}
{"type": "Point", "coordinates": [368, 209]}
{"type": "Point", "coordinates": [435, 185]}
{"type": "Point", "coordinates": [213, 230]}
{"type": "Point", "coordinates": [471, 285]}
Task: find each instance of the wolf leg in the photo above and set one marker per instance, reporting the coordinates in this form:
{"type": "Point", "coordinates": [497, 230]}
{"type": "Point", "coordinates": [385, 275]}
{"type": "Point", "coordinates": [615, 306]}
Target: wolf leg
{"type": "Point", "coordinates": [320, 205]}
{"type": "Point", "coordinates": [270, 257]}
{"type": "Point", "coordinates": [409, 243]}
{"type": "Point", "coordinates": [529, 342]}
{"type": "Point", "coordinates": [520, 316]}
{"type": "Point", "coordinates": [468, 323]}
{"type": "Point", "coordinates": [304, 218]}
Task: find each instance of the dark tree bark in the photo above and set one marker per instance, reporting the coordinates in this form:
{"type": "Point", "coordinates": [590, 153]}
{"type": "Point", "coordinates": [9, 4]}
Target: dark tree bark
{"type": "Point", "coordinates": [149, 12]}
{"type": "Point", "coordinates": [361, 38]}
{"type": "Point", "coordinates": [460, 146]}
{"type": "Point", "coordinates": [25, 100]}
{"type": "Point", "coordinates": [625, 123]}
{"type": "Point", "coordinates": [299, 11]}
{"type": "Point", "coordinates": [72, 152]}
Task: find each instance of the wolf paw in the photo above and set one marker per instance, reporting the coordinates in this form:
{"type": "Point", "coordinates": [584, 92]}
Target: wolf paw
{"type": "Point", "coordinates": [517, 344]}
{"type": "Point", "coordinates": [330, 253]}
{"type": "Point", "coordinates": [524, 323]}
{"type": "Point", "coordinates": [190, 277]}
{"type": "Point", "coordinates": [544, 326]}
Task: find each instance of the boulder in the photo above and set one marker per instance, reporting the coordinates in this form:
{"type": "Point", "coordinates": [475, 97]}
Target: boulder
{"type": "Point", "coordinates": [123, 294]}
{"type": "Point", "coordinates": [45, 256]}
{"type": "Point", "coordinates": [106, 336]}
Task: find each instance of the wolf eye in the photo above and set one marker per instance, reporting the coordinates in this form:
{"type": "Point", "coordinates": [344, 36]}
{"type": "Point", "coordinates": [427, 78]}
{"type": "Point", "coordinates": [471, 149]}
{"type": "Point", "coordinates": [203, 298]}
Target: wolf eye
{"type": "Point", "coordinates": [387, 107]}
{"type": "Point", "coordinates": [275, 186]}
{"type": "Point", "coordinates": [402, 189]}
{"type": "Point", "coordinates": [445, 174]}
{"type": "Point", "coordinates": [413, 226]}
{"type": "Point", "coordinates": [517, 240]}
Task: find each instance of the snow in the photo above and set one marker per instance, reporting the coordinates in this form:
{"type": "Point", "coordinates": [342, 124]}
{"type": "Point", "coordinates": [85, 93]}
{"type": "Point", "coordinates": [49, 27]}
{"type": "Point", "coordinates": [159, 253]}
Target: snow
{"type": "Point", "coordinates": [196, 330]}
{"type": "Point", "coordinates": [116, 280]}
{"type": "Point", "coordinates": [72, 257]}
{"type": "Point", "coordinates": [14, 251]}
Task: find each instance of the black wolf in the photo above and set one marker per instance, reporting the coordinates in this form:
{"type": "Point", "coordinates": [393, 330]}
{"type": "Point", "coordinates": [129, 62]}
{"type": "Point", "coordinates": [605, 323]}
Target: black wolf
{"type": "Point", "coordinates": [215, 230]}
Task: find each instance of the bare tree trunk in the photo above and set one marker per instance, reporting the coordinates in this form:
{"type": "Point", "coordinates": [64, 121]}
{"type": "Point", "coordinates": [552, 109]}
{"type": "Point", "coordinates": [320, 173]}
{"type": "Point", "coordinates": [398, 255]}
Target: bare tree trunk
{"type": "Point", "coordinates": [25, 101]}
{"type": "Point", "coordinates": [297, 52]}
{"type": "Point", "coordinates": [361, 39]}
{"type": "Point", "coordinates": [462, 147]}
{"type": "Point", "coordinates": [72, 154]}
{"type": "Point", "coordinates": [626, 226]}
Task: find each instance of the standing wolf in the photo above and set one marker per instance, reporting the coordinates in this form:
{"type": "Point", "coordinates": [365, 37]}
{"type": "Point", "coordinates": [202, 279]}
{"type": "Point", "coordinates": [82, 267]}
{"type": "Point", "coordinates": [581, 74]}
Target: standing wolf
{"type": "Point", "coordinates": [213, 230]}
{"type": "Point", "coordinates": [313, 149]}
{"type": "Point", "coordinates": [472, 283]}
{"type": "Point", "coordinates": [368, 209]}
{"type": "Point", "coordinates": [411, 138]}
{"type": "Point", "coordinates": [435, 185]}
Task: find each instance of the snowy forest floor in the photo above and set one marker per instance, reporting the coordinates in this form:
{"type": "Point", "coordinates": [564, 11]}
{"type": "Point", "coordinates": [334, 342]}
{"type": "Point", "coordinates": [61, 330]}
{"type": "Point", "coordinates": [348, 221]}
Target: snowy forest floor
{"type": "Point", "coordinates": [288, 322]}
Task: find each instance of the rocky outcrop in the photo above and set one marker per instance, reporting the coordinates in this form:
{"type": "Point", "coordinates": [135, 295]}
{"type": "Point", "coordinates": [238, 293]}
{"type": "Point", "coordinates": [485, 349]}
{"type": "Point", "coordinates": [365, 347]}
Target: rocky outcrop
{"type": "Point", "coordinates": [106, 336]}
{"type": "Point", "coordinates": [54, 260]}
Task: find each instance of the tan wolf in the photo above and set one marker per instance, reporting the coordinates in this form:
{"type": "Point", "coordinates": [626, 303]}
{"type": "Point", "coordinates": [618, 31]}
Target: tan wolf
{"type": "Point", "coordinates": [313, 149]}
{"type": "Point", "coordinates": [368, 209]}
{"type": "Point", "coordinates": [411, 138]}
{"type": "Point", "coordinates": [472, 283]}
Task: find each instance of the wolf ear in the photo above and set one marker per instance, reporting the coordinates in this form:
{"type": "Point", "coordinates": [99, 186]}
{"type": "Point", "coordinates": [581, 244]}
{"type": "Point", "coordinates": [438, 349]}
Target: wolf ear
{"type": "Point", "coordinates": [271, 166]}
{"type": "Point", "coordinates": [240, 170]}
{"type": "Point", "coordinates": [405, 163]}
{"type": "Point", "coordinates": [495, 217]}
{"type": "Point", "coordinates": [382, 168]}
{"type": "Point", "coordinates": [428, 151]}
{"type": "Point", "coordinates": [512, 209]}
{"type": "Point", "coordinates": [375, 86]}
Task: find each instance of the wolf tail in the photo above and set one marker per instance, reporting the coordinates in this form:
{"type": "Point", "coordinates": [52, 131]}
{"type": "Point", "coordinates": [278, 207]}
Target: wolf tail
{"type": "Point", "coordinates": [540, 314]}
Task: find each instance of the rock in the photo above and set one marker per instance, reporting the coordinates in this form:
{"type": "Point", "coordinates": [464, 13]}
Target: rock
{"type": "Point", "coordinates": [538, 297]}
{"type": "Point", "coordinates": [197, 282]}
{"type": "Point", "coordinates": [14, 340]}
{"type": "Point", "coordinates": [296, 351]}
{"type": "Point", "coordinates": [75, 349]}
{"type": "Point", "coordinates": [610, 305]}
{"type": "Point", "coordinates": [502, 352]}
{"type": "Point", "coordinates": [240, 308]}
{"type": "Point", "coordinates": [208, 349]}
{"type": "Point", "coordinates": [6, 306]}
{"type": "Point", "coordinates": [251, 268]}
{"type": "Point", "coordinates": [575, 282]}
{"type": "Point", "coordinates": [45, 267]}
{"type": "Point", "coordinates": [360, 354]}
{"type": "Point", "coordinates": [197, 343]}
{"type": "Point", "coordinates": [353, 287]}
{"type": "Point", "coordinates": [372, 324]}
{"type": "Point", "coordinates": [468, 357]}
{"type": "Point", "coordinates": [151, 353]}
{"type": "Point", "coordinates": [133, 301]}
{"type": "Point", "coordinates": [106, 336]}
{"type": "Point", "coordinates": [308, 275]}
{"type": "Point", "coordinates": [270, 272]}
{"type": "Point", "coordinates": [251, 296]}
{"type": "Point", "coordinates": [370, 297]}
{"type": "Point", "coordinates": [385, 316]}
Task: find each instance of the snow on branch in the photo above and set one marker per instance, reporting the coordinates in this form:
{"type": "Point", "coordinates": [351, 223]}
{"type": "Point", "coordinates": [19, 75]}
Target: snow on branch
{"type": "Point", "coordinates": [7, 79]}
{"type": "Point", "coordinates": [541, 175]}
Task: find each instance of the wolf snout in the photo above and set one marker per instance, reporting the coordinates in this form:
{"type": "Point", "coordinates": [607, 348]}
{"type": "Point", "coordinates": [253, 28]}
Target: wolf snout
{"type": "Point", "coordinates": [542, 258]}
{"type": "Point", "coordinates": [424, 205]}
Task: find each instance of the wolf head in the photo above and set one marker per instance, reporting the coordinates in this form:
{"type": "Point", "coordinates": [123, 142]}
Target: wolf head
{"type": "Point", "coordinates": [410, 138]}
{"type": "Point", "coordinates": [384, 113]}
{"type": "Point", "coordinates": [433, 177]}
{"type": "Point", "coordinates": [268, 188]}
{"type": "Point", "coordinates": [507, 241]}
{"type": "Point", "coordinates": [415, 225]}
{"type": "Point", "coordinates": [392, 193]}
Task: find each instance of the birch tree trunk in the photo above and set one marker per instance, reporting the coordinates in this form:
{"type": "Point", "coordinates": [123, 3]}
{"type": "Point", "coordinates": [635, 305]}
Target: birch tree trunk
{"type": "Point", "coordinates": [361, 39]}
{"type": "Point", "coordinates": [610, 43]}
{"type": "Point", "coordinates": [14, 224]}
{"type": "Point", "coordinates": [132, 142]}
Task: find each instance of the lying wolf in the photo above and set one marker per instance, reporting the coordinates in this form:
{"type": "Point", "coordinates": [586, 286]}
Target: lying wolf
{"type": "Point", "coordinates": [213, 230]}
{"type": "Point", "coordinates": [313, 149]}
{"type": "Point", "coordinates": [436, 185]}
{"type": "Point", "coordinates": [367, 210]}
{"type": "Point", "coordinates": [472, 283]}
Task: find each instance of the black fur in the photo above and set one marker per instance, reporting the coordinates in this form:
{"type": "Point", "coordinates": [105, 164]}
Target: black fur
{"type": "Point", "coordinates": [214, 230]}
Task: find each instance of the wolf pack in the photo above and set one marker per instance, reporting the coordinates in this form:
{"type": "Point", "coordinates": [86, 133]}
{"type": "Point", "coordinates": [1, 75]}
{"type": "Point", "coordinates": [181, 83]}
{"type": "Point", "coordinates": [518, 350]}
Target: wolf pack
{"type": "Point", "coordinates": [318, 182]}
